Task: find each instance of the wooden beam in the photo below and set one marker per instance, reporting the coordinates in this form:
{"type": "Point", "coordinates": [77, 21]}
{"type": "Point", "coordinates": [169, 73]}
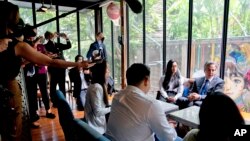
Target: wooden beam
{"type": "Point", "coordinates": [124, 43]}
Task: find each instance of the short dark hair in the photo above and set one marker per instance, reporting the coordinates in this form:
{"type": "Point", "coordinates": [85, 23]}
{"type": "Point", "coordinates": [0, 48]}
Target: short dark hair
{"type": "Point", "coordinates": [29, 31]}
{"type": "Point", "coordinates": [98, 33]}
{"type": "Point", "coordinates": [47, 34]}
{"type": "Point", "coordinates": [209, 63]}
{"type": "Point", "coordinates": [77, 57]}
{"type": "Point", "coordinates": [136, 73]}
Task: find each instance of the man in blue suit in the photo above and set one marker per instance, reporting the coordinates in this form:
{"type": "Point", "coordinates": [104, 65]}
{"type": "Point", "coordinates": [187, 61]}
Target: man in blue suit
{"type": "Point", "coordinates": [202, 86]}
{"type": "Point", "coordinates": [97, 50]}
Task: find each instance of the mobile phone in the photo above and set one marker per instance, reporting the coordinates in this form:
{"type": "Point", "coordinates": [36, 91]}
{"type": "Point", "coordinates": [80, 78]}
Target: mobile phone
{"type": "Point", "coordinates": [61, 34]}
{"type": "Point", "coordinates": [97, 61]}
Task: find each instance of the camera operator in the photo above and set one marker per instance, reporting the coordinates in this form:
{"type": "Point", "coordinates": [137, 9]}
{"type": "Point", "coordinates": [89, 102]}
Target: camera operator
{"type": "Point", "coordinates": [11, 55]}
{"type": "Point", "coordinates": [97, 49]}
{"type": "Point", "coordinates": [57, 75]}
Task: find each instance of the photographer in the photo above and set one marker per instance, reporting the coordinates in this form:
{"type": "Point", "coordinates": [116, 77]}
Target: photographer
{"type": "Point", "coordinates": [57, 75]}
{"type": "Point", "coordinates": [97, 49]}
{"type": "Point", "coordinates": [10, 63]}
{"type": "Point", "coordinates": [36, 75]}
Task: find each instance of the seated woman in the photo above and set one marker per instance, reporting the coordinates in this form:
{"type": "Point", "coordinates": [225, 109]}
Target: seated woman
{"type": "Point", "coordinates": [171, 83]}
{"type": "Point", "coordinates": [219, 117]}
{"type": "Point", "coordinates": [96, 105]}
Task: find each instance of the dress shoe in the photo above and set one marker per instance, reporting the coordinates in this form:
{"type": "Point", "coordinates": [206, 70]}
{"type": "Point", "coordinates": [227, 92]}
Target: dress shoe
{"type": "Point", "coordinates": [34, 118]}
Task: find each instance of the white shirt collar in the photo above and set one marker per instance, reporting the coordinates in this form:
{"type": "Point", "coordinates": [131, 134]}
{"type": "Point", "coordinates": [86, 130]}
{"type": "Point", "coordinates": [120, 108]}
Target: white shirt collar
{"type": "Point", "coordinates": [136, 90]}
{"type": "Point", "coordinates": [209, 79]}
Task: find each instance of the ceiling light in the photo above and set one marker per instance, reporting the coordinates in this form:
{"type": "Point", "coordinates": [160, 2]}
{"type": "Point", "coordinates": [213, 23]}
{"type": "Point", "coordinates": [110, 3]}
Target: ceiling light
{"type": "Point", "coordinates": [51, 7]}
{"type": "Point", "coordinates": [42, 8]}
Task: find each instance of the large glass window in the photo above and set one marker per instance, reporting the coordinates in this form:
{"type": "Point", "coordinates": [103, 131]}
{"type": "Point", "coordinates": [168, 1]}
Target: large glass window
{"type": "Point", "coordinates": [135, 37]}
{"type": "Point", "coordinates": [68, 25]}
{"type": "Point", "coordinates": [26, 15]}
{"type": "Point", "coordinates": [87, 30]}
{"type": "Point", "coordinates": [207, 33]}
{"type": "Point", "coordinates": [43, 16]}
{"type": "Point", "coordinates": [154, 32]}
{"type": "Point", "coordinates": [177, 33]}
{"type": "Point", "coordinates": [237, 65]}
{"type": "Point", "coordinates": [117, 57]}
{"type": "Point", "coordinates": [107, 26]}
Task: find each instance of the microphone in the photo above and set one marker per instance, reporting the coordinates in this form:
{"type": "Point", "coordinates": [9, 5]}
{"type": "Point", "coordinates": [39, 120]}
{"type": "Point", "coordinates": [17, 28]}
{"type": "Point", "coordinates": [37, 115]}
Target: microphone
{"type": "Point", "coordinates": [135, 6]}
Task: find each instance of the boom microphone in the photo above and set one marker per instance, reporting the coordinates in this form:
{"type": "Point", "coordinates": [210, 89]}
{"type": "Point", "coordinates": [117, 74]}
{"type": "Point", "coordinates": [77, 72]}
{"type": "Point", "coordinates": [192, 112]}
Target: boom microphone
{"type": "Point", "coordinates": [135, 6]}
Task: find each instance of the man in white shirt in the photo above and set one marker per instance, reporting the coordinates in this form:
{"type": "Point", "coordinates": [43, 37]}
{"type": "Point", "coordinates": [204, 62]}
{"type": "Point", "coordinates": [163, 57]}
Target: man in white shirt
{"type": "Point", "coordinates": [136, 117]}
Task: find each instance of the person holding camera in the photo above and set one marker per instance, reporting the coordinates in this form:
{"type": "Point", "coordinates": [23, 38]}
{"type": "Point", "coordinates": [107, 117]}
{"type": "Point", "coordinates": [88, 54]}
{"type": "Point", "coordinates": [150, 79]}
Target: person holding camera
{"type": "Point", "coordinates": [57, 75]}
{"type": "Point", "coordinates": [97, 50]}
{"type": "Point", "coordinates": [11, 53]}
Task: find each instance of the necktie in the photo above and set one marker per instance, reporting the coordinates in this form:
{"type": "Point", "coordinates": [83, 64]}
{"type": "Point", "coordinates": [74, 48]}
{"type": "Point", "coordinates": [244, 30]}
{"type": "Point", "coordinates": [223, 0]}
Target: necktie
{"type": "Point", "coordinates": [204, 88]}
{"type": "Point", "coordinates": [101, 52]}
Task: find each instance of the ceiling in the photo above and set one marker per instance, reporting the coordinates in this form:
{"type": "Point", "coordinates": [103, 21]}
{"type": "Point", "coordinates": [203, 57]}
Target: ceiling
{"type": "Point", "coordinates": [91, 4]}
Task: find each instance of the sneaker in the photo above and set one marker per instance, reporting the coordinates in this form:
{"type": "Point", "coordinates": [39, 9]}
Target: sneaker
{"type": "Point", "coordinates": [50, 115]}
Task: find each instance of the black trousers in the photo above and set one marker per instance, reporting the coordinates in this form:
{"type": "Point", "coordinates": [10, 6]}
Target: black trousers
{"type": "Point", "coordinates": [57, 76]}
{"type": "Point", "coordinates": [41, 80]}
{"type": "Point", "coordinates": [183, 102]}
{"type": "Point", "coordinates": [31, 87]}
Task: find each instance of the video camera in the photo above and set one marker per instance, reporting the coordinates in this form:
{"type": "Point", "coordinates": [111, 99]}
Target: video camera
{"type": "Point", "coordinates": [23, 29]}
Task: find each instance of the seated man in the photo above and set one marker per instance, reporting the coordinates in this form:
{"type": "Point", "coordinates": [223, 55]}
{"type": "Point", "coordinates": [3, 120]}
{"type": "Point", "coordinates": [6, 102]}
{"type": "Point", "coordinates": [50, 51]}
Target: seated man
{"type": "Point", "coordinates": [202, 86]}
{"type": "Point", "coordinates": [136, 117]}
